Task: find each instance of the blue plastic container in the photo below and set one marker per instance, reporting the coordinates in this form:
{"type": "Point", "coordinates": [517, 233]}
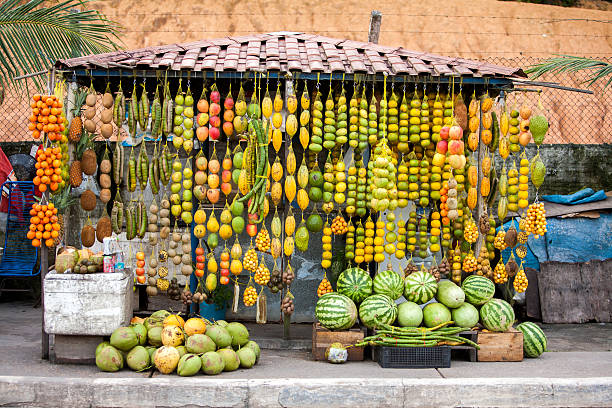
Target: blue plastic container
{"type": "Point", "coordinates": [210, 312]}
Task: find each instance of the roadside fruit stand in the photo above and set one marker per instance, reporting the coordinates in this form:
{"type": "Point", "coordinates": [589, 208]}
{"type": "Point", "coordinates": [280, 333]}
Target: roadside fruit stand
{"type": "Point", "coordinates": [289, 171]}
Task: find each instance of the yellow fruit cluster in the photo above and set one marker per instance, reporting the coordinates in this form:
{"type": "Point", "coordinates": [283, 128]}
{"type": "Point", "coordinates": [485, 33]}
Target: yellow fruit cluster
{"type": "Point", "coordinates": [434, 231]}
{"type": "Point", "coordinates": [520, 280]}
{"type": "Point", "coordinates": [249, 296]}
{"type": "Point", "coordinates": [250, 260]}
{"type": "Point", "coordinates": [262, 241]}
{"type": "Point", "coordinates": [470, 232]}
{"type": "Point", "coordinates": [379, 242]}
{"type": "Point", "coordinates": [262, 275]}
{"type": "Point", "coordinates": [523, 182]}
{"type": "Point", "coordinates": [536, 220]}
{"type": "Point", "coordinates": [400, 250]}
{"type": "Point", "coordinates": [339, 225]}
{"type": "Point", "coordinates": [369, 240]}
{"type": "Point", "coordinates": [499, 242]}
{"type": "Point", "coordinates": [499, 273]}
{"type": "Point", "coordinates": [324, 287]}
{"type": "Point", "coordinates": [470, 264]}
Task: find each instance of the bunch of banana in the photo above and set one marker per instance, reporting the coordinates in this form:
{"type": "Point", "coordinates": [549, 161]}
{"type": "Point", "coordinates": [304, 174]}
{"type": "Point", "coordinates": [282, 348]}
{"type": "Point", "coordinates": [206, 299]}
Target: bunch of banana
{"type": "Point", "coordinates": [403, 126]}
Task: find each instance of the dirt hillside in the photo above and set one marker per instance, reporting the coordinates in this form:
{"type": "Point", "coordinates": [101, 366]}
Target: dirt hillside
{"type": "Point", "coordinates": [471, 28]}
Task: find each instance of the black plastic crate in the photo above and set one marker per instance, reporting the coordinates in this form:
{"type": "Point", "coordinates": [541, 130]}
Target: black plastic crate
{"type": "Point", "coordinates": [413, 357]}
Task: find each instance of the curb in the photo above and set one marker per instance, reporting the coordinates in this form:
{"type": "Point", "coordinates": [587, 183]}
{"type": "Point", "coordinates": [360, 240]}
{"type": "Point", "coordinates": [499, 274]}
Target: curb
{"type": "Point", "coordinates": [173, 391]}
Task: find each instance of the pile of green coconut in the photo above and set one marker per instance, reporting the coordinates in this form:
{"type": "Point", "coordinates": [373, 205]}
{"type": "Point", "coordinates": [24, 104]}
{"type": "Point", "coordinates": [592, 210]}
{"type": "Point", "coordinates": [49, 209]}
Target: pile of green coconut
{"type": "Point", "coordinates": [166, 342]}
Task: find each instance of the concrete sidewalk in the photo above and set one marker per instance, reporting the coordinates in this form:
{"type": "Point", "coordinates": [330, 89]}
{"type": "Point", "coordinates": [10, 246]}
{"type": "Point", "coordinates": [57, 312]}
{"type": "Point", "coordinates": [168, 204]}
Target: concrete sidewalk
{"type": "Point", "coordinates": [289, 378]}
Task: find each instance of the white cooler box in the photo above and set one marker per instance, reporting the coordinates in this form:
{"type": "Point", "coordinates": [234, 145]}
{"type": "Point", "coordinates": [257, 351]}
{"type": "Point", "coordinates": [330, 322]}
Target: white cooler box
{"type": "Point", "coordinates": [88, 304]}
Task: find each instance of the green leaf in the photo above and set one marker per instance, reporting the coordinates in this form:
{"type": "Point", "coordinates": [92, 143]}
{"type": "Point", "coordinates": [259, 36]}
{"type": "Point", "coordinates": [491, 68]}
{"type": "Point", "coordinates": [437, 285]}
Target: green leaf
{"type": "Point", "coordinates": [599, 70]}
{"type": "Point", "coordinates": [36, 33]}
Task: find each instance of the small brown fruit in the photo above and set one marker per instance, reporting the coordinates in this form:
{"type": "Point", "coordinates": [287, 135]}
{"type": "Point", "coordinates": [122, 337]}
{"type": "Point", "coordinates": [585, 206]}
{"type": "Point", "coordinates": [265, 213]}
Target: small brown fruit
{"type": "Point", "coordinates": [88, 200]}
{"type": "Point", "coordinates": [88, 236]}
{"type": "Point", "coordinates": [106, 130]}
{"type": "Point", "coordinates": [107, 100]}
{"type": "Point", "coordinates": [105, 181]}
{"type": "Point", "coordinates": [103, 228]}
{"type": "Point", "coordinates": [105, 195]}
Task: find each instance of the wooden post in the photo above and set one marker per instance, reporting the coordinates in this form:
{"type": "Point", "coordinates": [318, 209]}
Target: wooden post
{"type": "Point", "coordinates": [374, 31]}
{"type": "Point", "coordinates": [44, 253]}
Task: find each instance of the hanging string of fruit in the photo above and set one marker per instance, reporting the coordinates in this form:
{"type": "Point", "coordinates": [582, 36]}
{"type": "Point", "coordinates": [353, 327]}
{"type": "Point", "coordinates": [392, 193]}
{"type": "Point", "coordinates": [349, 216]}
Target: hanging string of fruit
{"type": "Point", "coordinates": [214, 121]}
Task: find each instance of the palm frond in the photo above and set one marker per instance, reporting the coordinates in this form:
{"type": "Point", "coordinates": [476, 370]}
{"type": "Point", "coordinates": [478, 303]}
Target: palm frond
{"type": "Point", "coordinates": [33, 35]}
{"type": "Point", "coordinates": [566, 63]}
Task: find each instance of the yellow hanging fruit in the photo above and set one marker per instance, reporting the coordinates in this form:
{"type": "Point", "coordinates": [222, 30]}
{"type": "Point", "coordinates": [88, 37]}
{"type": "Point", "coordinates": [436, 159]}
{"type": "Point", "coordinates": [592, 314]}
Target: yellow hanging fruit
{"type": "Point", "coordinates": [291, 125]}
{"type": "Point", "coordinates": [277, 170]}
{"type": "Point", "coordinates": [275, 247]}
{"type": "Point", "coordinates": [211, 282]}
{"type": "Point", "coordinates": [225, 231]}
{"type": "Point", "coordinates": [278, 100]}
{"type": "Point", "coordinates": [290, 188]}
{"type": "Point", "coordinates": [485, 186]}
{"type": "Point", "coordinates": [266, 106]}
{"type": "Point", "coordinates": [473, 176]}
{"type": "Point", "coordinates": [292, 103]}
{"type": "Point", "coordinates": [291, 160]}
{"type": "Point", "coordinates": [212, 225]}
{"type": "Point", "coordinates": [290, 223]}
{"type": "Point", "coordinates": [472, 198]}
{"type": "Point", "coordinates": [486, 165]}
{"type": "Point", "coordinates": [249, 298]}
{"type": "Point", "coordinates": [289, 246]}
{"type": "Point", "coordinates": [212, 266]}
{"type": "Point", "coordinates": [243, 184]}
{"type": "Point", "coordinates": [504, 123]}
{"type": "Point", "coordinates": [304, 117]}
{"type": "Point", "coordinates": [487, 104]}
{"type": "Point", "coordinates": [236, 267]}
{"type": "Point", "coordinates": [504, 147]}
{"type": "Point", "coordinates": [276, 193]}
{"type": "Point", "coordinates": [277, 139]}
{"type": "Point", "coordinates": [302, 175]}
{"type": "Point", "coordinates": [302, 199]}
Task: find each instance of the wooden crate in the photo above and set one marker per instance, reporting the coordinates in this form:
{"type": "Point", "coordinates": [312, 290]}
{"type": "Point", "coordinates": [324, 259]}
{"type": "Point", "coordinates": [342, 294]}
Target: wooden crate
{"type": "Point", "coordinates": [495, 346]}
{"type": "Point", "coordinates": [322, 338]}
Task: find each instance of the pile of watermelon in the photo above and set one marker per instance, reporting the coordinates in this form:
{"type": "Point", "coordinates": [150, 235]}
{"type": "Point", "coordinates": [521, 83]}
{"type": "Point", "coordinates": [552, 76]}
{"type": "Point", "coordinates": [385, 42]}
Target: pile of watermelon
{"type": "Point", "coordinates": [374, 302]}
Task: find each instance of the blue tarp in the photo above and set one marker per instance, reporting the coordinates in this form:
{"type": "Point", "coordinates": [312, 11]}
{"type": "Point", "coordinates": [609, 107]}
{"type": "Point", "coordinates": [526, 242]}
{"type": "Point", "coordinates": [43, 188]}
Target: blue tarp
{"type": "Point", "coordinates": [575, 239]}
{"type": "Point", "coordinates": [587, 195]}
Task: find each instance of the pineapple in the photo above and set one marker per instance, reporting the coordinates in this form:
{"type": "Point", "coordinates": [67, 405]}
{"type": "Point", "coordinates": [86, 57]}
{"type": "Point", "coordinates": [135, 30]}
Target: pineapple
{"type": "Point", "coordinates": [76, 125]}
{"type": "Point", "coordinates": [76, 172]}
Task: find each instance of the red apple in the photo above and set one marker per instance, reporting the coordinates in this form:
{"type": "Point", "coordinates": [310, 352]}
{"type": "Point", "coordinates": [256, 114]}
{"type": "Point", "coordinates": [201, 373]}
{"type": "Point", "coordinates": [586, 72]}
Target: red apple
{"type": "Point", "coordinates": [251, 230]}
{"type": "Point", "coordinates": [214, 133]}
{"type": "Point", "coordinates": [228, 103]}
{"type": "Point", "coordinates": [455, 147]}
{"type": "Point", "coordinates": [455, 132]}
{"type": "Point", "coordinates": [442, 146]}
{"type": "Point", "coordinates": [215, 97]}
{"type": "Point", "coordinates": [444, 132]}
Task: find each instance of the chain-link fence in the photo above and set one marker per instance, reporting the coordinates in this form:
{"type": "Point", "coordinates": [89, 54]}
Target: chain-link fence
{"type": "Point", "coordinates": [574, 117]}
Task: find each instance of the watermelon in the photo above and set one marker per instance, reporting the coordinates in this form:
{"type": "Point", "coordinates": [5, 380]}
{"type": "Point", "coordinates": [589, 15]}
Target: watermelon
{"type": "Point", "coordinates": [497, 315]}
{"type": "Point", "coordinates": [388, 283]}
{"type": "Point", "coordinates": [450, 295]}
{"type": "Point", "coordinates": [435, 314]}
{"type": "Point", "coordinates": [336, 311]}
{"type": "Point", "coordinates": [534, 339]}
{"type": "Point", "coordinates": [377, 309]}
{"type": "Point", "coordinates": [465, 315]}
{"type": "Point", "coordinates": [409, 314]}
{"type": "Point", "coordinates": [478, 289]}
{"type": "Point", "coordinates": [420, 287]}
{"type": "Point", "coordinates": [355, 283]}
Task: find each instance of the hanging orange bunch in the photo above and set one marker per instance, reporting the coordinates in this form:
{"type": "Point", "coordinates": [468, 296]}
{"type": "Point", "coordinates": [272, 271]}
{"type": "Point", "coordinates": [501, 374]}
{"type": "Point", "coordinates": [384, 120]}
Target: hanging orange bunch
{"type": "Point", "coordinates": [47, 117]}
{"type": "Point", "coordinates": [44, 225]}
{"type": "Point", "coordinates": [48, 169]}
